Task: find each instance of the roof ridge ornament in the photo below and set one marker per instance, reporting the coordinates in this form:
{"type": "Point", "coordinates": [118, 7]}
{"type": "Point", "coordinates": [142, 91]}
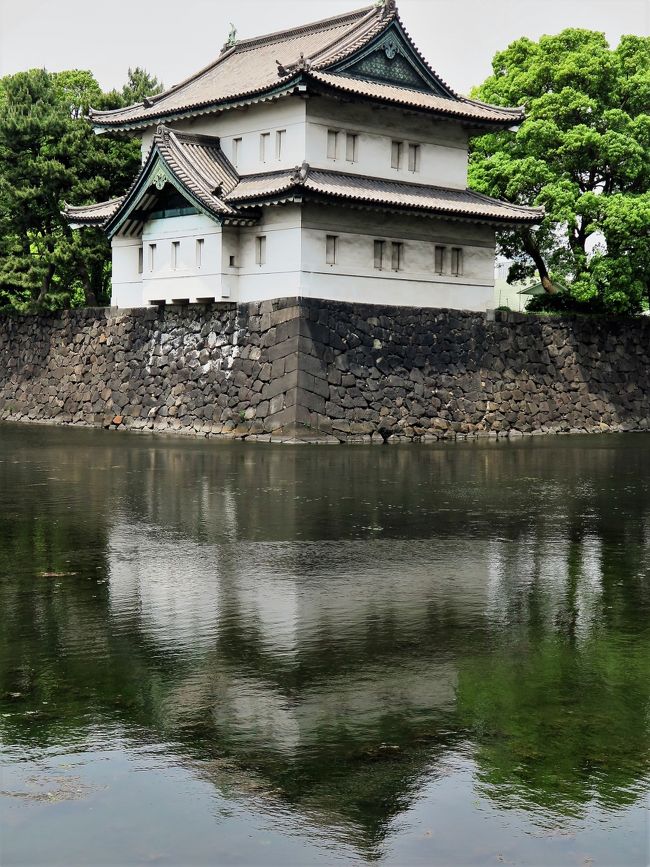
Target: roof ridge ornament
{"type": "Point", "coordinates": [303, 65]}
{"type": "Point", "coordinates": [300, 173]}
{"type": "Point", "coordinates": [386, 7]}
{"type": "Point", "coordinates": [232, 40]}
{"type": "Point", "coordinates": [162, 132]}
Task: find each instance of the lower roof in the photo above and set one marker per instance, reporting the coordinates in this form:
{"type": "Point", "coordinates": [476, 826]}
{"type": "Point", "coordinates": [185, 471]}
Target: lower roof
{"type": "Point", "coordinates": [253, 190]}
{"type": "Point", "coordinates": [92, 215]}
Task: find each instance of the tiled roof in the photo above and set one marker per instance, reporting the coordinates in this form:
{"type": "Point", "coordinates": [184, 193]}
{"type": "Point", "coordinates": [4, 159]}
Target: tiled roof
{"type": "Point", "coordinates": [462, 107]}
{"type": "Point", "coordinates": [260, 186]}
{"type": "Point", "coordinates": [200, 165]}
{"type": "Point", "coordinates": [196, 161]}
{"type": "Point", "coordinates": [92, 215]}
{"type": "Point", "coordinates": [249, 67]}
{"type": "Point", "coordinates": [276, 63]}
{"type": "Point", "coordinates": [254, 189]}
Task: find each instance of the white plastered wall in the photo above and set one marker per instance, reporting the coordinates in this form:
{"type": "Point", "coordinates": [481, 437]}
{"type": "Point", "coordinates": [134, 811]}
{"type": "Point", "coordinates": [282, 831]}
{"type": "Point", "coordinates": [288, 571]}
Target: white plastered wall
{"type": "Point", "coordinates": [443, 145]}
{"type": "Point", "coordinates": [295, 260]}
{"type": "Point", "coordinates": [280, 275]}
{"type": "Point", "coordinates": [195, 276]}
{"type": "Point", "coordinates": [248, 123]}
{"type": "Point", "coordinates": [126, 279]}
{"type": "Point", "coordinates": [354, 277]}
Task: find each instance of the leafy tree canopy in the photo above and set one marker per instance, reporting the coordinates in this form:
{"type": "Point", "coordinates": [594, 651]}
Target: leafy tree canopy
{"type": "Point", "coordinates": [583, 152]}
{"type": "Point", "coordinates": [49, 155]}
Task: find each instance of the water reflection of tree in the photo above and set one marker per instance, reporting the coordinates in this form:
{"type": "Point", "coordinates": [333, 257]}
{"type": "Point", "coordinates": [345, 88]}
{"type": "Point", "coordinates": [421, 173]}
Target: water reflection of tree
{"type": "Point", "coordinates": [552, 672]}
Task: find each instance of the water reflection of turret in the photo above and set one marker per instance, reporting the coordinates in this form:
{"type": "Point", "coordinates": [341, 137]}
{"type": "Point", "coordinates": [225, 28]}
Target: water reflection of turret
{"type": "Point", "coordinates": [296, 618]}
{"type": "Point", "coordinates": [326, 659]}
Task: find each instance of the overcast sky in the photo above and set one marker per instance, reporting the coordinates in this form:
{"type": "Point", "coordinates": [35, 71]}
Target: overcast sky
{"type": "Point", "coordinates": [173, 38]}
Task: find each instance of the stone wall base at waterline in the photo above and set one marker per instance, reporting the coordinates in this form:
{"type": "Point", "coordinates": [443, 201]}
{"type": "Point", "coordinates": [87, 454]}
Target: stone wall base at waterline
{"type": "Point", "coordinates": [310, 370]}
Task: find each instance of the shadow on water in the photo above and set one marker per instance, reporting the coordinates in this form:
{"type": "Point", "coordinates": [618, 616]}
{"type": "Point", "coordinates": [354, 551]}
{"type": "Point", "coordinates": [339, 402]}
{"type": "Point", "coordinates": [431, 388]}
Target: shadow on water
{"type": "Point", "coordinates": [324, 628]}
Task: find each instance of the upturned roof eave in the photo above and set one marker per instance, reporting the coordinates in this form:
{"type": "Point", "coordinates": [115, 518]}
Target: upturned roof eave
{"type": "Point", "coordinates": [289, 188]}
{"type": "Point", "coordinates": [310, 80]}
{"type": "Point", "coordinates": [78, 216]}
{"type": "Point", "coordinates": [300, 194]}
{"type": "Point", "coordinates": [200, 108]}
{"type": "Point", "coordinates": [512, 116]}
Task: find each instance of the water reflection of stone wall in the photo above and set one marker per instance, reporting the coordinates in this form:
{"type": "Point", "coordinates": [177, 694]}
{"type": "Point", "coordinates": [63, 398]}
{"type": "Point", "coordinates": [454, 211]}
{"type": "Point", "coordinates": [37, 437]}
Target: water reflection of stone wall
{"type": "Point", "coordinates": [323, 370]}
{"type": "Point", "coordinates": [333, 623]}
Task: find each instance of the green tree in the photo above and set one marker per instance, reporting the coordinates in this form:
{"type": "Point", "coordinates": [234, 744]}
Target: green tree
{"type": "Point", "coordinates": [583, 152]}
{"type": "Point", "coordinates": [49, 155]}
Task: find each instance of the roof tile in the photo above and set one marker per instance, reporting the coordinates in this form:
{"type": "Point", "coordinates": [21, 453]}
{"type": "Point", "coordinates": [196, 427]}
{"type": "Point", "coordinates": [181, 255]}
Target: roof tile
{"type": "Point", "coordinates": [252, 189]}
{"type": "Point", "coordinates": [461, 107]}
{"type": "Point", "coordinates": [92, 215]}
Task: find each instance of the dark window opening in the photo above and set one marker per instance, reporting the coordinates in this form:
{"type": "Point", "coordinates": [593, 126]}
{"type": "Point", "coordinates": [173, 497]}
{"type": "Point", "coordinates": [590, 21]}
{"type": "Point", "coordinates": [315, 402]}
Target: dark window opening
{"type": "Point", "coordinates": [170, 203]}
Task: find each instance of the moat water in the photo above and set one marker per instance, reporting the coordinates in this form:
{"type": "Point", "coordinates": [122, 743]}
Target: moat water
{"type": "Point", "coordinates": [227, 654]}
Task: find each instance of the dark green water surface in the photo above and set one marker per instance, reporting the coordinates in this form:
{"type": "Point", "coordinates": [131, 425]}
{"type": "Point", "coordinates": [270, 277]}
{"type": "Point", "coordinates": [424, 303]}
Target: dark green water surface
{"type": "Point", "coordinates": [228, 654]}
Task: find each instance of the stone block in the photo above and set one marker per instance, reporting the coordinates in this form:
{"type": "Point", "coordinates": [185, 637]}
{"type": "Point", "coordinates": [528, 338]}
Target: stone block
{"type": "Point", "coordinates": [276, 404]}
{"type": "Point", "coordinates": [279, 420]}
{"type": "Point", "coordinates": [281, 350]}
{"type": "Point", "coordinates": [313, 384]}
{"type": "Point", "coordinates": [311, 401]}
{"type": "Point", "coordinates": [278, 386]}
{"type": "Point", "coordinates": [284, 314]}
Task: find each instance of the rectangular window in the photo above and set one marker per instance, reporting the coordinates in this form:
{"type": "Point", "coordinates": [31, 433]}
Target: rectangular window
{"type": "Point", "coordinates": [332, 142]}
{"type": "Point", "coordinates": [260, 250]}
{"type": "Point", "coordinates": [231, 261]}
{"type": "Point", "coordinates": [457, 261]}
{"type": "Point", "coordinates": [140, 260]}
{"type": "Point", "coordinates": [280, 138]}
{"type": "Point", "coordinates": [152, 256]}
{"type": "Point", "coordinates": [379, 255]}
{"type": "Point", "coordinates": [439, 260]}
{"type": "Point", "coordinates": [331, 244]}
{"type": "Point", "coordinates": [397, 256]}
{"type": "Point", "coordinates": [414, 158]}
{"type": "Point", "coordinates": [351, 146]}
{"type": "Point", "coordinates": [265, 138]}
{"type": "Point", "coordinates": [236, 151]}
{"type": "Point", "coordinates": [396, 155]}
{"type": "Point", "coordinates": [175, 248]}
{"type": "Point", "coordinates": [199, 252]}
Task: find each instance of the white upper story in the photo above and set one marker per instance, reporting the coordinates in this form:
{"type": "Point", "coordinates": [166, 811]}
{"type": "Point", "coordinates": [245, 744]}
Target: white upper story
{"type": "Point", "coordinates": [386, 143]}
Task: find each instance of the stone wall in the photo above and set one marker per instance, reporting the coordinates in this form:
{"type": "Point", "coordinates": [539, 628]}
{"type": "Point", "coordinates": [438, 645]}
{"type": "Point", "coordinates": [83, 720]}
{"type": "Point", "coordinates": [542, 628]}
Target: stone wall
{"type": "Point", "coordinates": [310, 369]}
{"type": "Point", "coordinates": [203, 370]}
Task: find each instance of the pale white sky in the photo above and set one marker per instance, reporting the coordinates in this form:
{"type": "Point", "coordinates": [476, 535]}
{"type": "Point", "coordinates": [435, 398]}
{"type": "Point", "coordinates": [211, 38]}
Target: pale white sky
{"type": "Point", "coordinates": [173, 38]}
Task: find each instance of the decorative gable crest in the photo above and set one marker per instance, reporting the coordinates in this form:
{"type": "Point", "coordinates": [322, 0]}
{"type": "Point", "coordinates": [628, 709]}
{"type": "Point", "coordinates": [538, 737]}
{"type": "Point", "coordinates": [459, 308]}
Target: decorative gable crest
{"type": "Point", "coordinates": [159, 177]}
{"type": "Point", "coordinates": [392, 59]}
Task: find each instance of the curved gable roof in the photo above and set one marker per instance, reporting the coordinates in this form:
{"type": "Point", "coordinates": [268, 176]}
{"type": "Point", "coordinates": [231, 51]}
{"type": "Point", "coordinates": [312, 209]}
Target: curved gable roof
{"type": "Point", "coordinates": [194, 164]}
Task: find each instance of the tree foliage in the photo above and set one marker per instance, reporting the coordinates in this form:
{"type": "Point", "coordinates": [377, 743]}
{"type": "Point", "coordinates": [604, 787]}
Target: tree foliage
{"type": "Point", "coordinates": [583, 152]}
{"type": "Point", "coordinates": [49, 156]}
